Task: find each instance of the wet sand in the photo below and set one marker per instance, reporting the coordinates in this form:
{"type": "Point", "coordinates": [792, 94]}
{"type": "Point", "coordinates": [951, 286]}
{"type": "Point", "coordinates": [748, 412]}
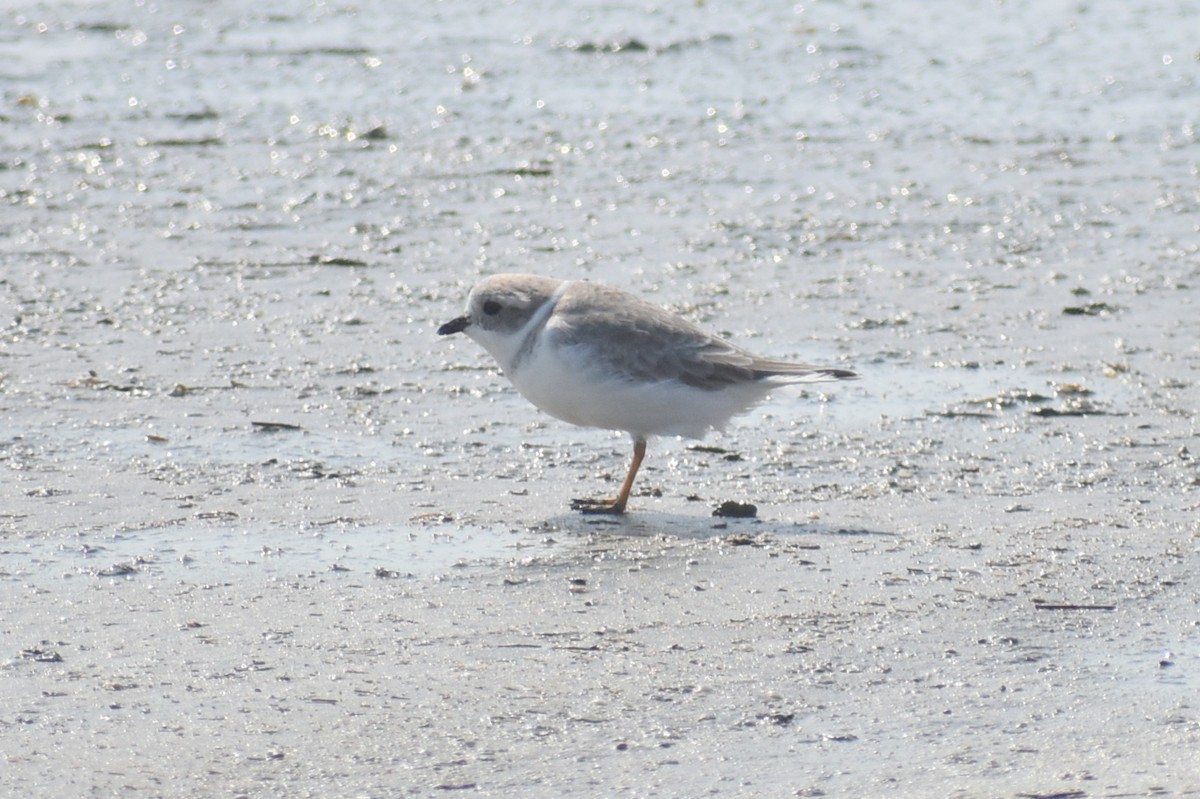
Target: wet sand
{"type": "Point", "coordinates": [1019, 654]}
{"type": "Point", "coordinates": [261, 531]}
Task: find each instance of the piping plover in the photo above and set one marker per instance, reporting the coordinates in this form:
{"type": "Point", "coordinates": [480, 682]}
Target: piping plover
{"type": "Point", "coordinates": [596, 356]}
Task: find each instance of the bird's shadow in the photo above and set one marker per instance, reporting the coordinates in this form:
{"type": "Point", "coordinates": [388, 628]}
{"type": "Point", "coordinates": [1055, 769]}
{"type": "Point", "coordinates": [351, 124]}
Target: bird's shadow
{"type": "Point", "coordinates": [698, 526]}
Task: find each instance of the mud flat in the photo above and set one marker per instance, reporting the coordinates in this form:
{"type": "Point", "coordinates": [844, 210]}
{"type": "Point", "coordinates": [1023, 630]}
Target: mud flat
{"type": "Point", "coordinates": [908, 657]}
{"type": "Point", "coordinates": [263, 533]}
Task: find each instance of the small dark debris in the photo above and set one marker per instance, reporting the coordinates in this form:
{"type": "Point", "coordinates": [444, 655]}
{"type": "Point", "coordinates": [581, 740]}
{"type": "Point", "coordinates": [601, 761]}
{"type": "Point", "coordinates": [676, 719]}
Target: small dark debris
{"type": "Point", "coordinates": [46, 492]}
{"type": "Point", "coordinates": [218, 515]}
{"type": "Point", "coordinates": [1068, 606]}
{"type": "Point", "coordinates": [1006, 640]}
{"type": "Point", "coordinates": [629, 46]}
{"type": "Point", "coordinates": [531, 172]}
{"type": "Point", "coordinates": [1091, 309]}
{"type": "Point", "coordinates": [356, 368]}
{"type": "Point", "coordinates": [460, 786]}
{"type": "Point", "coordinates": [335, 260]}
{"type": "Point", "coordinates": [959, 414]}
{"type": "Point", "coordinates": [202, 141]}
{"type": "Point", "coordinates": [1071, 409]}
{"type": "Point", "coordinates": [273, 427]}
{"type": "Point", "coordinates": [779, 719]}
{"type": "Point", "coordinates": [120, 569]}
{"type": "Point", "coordinates": [433, 517]}
{"type": "Point", "coordinates": [201, 115]}
{"type": "Point", "coordinates": [875, 324]}
{"type": "Point", "coordinates": [41, 655]}
{"type": "Point", "coordinates": [736, 510]}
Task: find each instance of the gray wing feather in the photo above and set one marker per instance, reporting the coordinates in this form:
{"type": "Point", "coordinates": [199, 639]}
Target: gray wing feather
{"type": "Point", "coordinates": [644, 343]}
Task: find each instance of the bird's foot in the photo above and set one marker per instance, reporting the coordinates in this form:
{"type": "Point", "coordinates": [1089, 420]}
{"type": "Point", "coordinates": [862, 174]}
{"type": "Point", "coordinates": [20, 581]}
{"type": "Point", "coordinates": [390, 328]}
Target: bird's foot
{"type": "Point", "coordinates": [608, 506]}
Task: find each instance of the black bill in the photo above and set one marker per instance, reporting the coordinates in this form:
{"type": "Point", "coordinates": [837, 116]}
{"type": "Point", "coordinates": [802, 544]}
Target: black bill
{"type": "Point", "coordinates": [454, 326]}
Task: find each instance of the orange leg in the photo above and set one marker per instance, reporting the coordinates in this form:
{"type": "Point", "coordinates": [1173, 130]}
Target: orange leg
{"type": "Point", "coordinates": [615, 505]}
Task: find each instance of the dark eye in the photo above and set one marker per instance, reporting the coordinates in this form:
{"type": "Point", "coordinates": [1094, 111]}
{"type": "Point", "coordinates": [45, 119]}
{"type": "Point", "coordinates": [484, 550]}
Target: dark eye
{"type": "Point", "coordinates": [491, 307]}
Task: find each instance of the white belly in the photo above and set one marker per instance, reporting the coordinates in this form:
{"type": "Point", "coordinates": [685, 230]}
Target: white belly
{"type": "Point", "coordinates": [584, 396]}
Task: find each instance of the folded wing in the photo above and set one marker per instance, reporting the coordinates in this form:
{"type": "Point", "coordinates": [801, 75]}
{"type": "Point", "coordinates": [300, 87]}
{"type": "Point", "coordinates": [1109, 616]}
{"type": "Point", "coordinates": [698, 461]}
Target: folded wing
{"type": "Point", "coordinates": [646, 344]}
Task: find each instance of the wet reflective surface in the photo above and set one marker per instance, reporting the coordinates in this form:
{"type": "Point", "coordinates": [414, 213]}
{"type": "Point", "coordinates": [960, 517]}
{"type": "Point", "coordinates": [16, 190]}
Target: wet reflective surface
{"type": "Point", "coordinates": [229, 234]}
